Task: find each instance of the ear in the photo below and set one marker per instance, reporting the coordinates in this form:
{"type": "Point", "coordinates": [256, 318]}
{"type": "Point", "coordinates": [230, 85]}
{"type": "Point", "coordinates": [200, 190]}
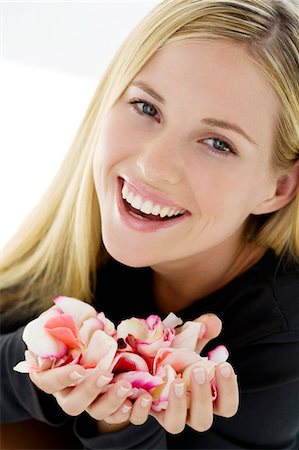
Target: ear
{"type": "Point", "coordinates": [287, 187]}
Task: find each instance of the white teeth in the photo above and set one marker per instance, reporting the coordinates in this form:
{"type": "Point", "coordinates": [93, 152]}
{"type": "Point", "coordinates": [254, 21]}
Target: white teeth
{"type": "Point", "coordinates": [137, 202]}
{"type": "Point", "coordinates": [156, 210]}
{"type": "Point", "coordinates": [164, 211]}
{"type": "Point", "coordinates": [147, 206]}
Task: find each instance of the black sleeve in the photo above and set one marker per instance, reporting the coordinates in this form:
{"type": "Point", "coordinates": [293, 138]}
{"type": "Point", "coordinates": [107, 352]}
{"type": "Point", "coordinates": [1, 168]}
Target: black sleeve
{"type": "Point", "coordinates": [20, 398]}
{"type": "Point", "coordinates": [150, 435]}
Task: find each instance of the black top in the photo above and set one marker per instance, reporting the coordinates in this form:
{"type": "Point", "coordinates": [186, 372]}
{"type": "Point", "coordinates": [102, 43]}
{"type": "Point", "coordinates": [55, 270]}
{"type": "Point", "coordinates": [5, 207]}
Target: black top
{"type": "Point", "coordinates": [260, 314]}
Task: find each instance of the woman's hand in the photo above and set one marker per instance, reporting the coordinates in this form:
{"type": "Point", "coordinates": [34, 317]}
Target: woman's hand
{"type": "Point", "coordinates": [76, 394]}
{"type": "Point", "coordinates": [196, 408]}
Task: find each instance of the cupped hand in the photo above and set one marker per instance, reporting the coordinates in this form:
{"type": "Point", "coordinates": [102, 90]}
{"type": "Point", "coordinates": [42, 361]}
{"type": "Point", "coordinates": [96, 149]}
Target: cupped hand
{"type": "Point", "coordinates": [75, 393]}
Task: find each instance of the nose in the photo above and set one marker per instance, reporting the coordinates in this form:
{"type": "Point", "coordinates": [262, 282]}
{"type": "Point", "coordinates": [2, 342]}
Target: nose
{"type": "Point", "coordinates": [159, 160]}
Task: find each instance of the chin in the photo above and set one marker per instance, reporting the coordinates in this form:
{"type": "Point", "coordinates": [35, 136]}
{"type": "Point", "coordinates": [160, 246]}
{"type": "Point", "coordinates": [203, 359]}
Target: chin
{"type": "Point", "coordinates": [127, 256]}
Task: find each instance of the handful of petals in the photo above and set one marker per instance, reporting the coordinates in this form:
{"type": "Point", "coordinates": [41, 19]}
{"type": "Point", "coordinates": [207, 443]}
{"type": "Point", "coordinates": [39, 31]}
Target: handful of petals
{"type": "Point", "coordinates": [148, 353]}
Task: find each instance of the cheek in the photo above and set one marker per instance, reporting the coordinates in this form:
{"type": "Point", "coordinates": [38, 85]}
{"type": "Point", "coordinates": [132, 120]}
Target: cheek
{"type": "Point", "coordinates": [114, 141]}
{"type": "Point", "coordinates": [227, 189]}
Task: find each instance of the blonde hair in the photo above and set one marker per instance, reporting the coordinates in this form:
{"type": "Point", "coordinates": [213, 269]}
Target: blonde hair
{"type": "Point", "coordinates": [58, 248]}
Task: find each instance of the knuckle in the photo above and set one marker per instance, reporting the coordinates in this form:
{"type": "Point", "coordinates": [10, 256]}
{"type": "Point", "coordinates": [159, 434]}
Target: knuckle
{"type": "Point", "coordinates": [70, 408]}
{"type": "Point", "coordinates": [137, 419]}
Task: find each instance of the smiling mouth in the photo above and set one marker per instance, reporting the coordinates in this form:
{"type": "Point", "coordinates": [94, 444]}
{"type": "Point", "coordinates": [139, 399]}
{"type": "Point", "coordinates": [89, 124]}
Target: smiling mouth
{"type": "Point", "coordinates": [145, 209]}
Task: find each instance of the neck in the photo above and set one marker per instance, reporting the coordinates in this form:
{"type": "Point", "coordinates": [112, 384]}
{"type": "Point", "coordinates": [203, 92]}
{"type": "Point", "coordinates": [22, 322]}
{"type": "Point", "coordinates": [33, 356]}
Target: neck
{"type": "Point", "coordinates": [177, 286]}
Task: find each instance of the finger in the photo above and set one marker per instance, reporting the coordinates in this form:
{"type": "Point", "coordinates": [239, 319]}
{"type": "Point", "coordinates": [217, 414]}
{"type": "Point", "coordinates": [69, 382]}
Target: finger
{"type": "Point", "coordinates": [227, 401]}
{"type": "Point", "coordinates": [122, 414]}
{"type": "Point", "coordinates": [141, 409]}
{"type": "Point", "coordinates": [75, 400]}
{"type": "Point", "coordinates": [201, 403]}
{"type": "Point", "coordinates": [176, 412]}
{"type": "Point", "coordinates": [54, 380]}
{"type": "Point", "coordinates": [213, 327]}
{"type": "Point", "coordinates": [111, 401]}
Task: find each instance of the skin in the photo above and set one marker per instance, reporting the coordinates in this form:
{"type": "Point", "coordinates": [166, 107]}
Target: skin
{"type": "Point", "coordinates": [173, 153]}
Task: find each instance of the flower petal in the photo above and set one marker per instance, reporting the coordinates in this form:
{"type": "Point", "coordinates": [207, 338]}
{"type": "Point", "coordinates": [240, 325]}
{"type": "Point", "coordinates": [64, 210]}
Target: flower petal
{"type": "Point", "coordinates": [64, 329]}
{"type": "Point", "coordinates": [172, 321]}
{"type": "Point", "coordinates": [219, 354]}
{"type": "Point", "coordinates": [78, 309]}
{"type": "Point", "coordinates": [39, 341]}
{"type": "Point", "coordinates": [161, 393]}
{"type": "Point", "coordinates": [188, 336]}
{"type": "Point", "coordinates": [139, 379]}
{"type": "Point", "coordinates": [100, 351]}
{"type": "Point", "coordinates": [126, 361]}
{"type": "Point", "coordinates": [178, 358]}
{"type": "Point", "coordinates": [89, 327]}
{"type": "Point", "coordinates": [133, 326]}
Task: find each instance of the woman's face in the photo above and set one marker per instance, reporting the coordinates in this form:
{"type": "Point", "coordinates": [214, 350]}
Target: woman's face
{"type": "Point", "coordinates": [191, 140]}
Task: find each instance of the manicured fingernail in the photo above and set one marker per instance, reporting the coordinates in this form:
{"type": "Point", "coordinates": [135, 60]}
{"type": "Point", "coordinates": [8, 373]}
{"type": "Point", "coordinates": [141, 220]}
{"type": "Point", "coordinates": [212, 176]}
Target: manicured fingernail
{"type": "Point", "coordinates": [145, 401]}
{"type": "Point", "coordinates": [126, 408]}
{"type": "Point", "coordinates": [199, 375]}
{"type": "Point", "coordinates": [179, 389]}
{"type": "Point", "coordinates": [122, 391]}
{"type": "Point", "coordinates": [102, 380]}
{"type": "Point", "coordinates": [76, 376]}
{"type": "Point", "coordinates": [203, 330]}
{"type": "Point", "coordinates": [225, 370]}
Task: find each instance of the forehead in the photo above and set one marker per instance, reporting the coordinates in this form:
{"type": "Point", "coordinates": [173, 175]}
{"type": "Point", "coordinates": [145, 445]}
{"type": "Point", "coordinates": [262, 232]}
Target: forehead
{"type": "Point", "coordinates": [219, 78]}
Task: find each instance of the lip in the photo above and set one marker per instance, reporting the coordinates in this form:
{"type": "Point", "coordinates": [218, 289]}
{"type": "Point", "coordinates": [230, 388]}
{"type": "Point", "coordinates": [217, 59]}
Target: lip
{"type": "Point", "coordinates": [143, 225]}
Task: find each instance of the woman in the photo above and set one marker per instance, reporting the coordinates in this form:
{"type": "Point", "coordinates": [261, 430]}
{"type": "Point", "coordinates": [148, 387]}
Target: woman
{"type": "Point", "coordinates": [180, 193]}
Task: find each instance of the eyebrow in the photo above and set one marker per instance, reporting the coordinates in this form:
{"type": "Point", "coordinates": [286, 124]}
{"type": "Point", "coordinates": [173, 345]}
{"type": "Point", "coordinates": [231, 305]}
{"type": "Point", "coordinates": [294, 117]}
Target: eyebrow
{"type": "Point", "coordinates": [208, 120]}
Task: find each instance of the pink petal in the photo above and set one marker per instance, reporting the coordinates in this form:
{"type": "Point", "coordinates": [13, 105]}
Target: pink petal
{"type": "Point", "coordinates": [219, 354]}
{"type": "Point", "coordinates": [188, 336]}
{"type": "Point", "coordinates": [178, 358]}
{"type": "Point", "coordinates": [172, 321]}
{"type": "Point", "coordinates": [39, 341]}
{"type": "Point", "coordinates": [100, 351]}
{"type": "Point", "coordinates": [64, 329]}
{"type": "Point", "coordinates": [139, 379]}
{"type": "Point", "coordinates": [78, 309]}
{"type": "Point", "coordinates": [151, 348]}
{"type": "Point", "coordinates": [125, 362]}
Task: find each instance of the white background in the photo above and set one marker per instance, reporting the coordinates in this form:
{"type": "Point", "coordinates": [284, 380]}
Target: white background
{"type": "Point", "coordinates": [53, 54]}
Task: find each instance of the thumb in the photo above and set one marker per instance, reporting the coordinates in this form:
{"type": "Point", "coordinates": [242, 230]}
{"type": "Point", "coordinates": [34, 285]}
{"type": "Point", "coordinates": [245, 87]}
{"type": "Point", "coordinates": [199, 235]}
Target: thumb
{"type": "Point", "coordinates": [213, 326]}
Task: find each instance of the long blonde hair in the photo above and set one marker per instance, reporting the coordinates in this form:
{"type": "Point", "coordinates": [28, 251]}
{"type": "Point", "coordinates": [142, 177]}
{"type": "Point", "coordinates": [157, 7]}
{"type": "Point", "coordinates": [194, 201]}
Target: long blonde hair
{"type": "Point", "coordinates": [58, 248]}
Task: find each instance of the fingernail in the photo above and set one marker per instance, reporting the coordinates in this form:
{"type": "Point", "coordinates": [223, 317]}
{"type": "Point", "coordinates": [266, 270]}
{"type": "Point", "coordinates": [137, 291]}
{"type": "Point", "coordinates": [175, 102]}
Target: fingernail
{"type": "Point", "coordinates": [199, 375]}
{"type": "Point", "coordinates": [76, 376]}
{"type": "Point", "coordinates": [145, 401]}
{"type": "Point", "coordinates": [179, 389]}
{"type": "Point", "coordinates": [122, 391]}
{"type": "Point", "coordinates": [102, 380]}
{"type": "Point", "coordinates": [225, 370]}
{"type": "Point", "coordinates": [126, 408]}
{"type": "Point", "coordinates": [203, 330]}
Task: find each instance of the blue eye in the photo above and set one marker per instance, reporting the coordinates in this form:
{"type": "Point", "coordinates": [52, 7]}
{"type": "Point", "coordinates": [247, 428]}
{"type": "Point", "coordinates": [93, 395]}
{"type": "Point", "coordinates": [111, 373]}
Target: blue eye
{"type": "Point", "coordinates": [220, 146]}
{"type": "Point", "coordinates": [147, 108]}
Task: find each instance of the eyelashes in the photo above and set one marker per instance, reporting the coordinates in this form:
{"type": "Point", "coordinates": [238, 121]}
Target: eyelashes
{"type": "Point", "coordinates": [223, 149]}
